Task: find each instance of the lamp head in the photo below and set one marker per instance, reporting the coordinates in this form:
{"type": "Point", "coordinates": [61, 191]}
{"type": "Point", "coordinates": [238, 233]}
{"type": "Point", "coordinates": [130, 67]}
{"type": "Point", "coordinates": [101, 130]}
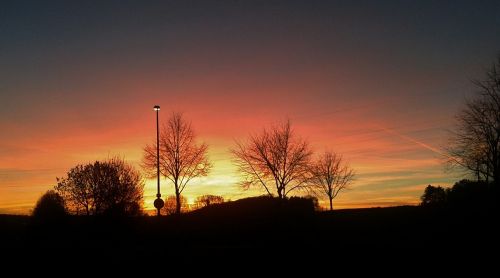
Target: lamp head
{"type": "Point", "coordinates": [156, 108]}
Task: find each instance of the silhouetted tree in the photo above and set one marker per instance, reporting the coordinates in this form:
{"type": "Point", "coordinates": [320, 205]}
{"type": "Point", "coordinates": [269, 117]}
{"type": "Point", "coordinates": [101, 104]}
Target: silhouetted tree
{"type": "Point", "coordinates": [330, 175]}
{"type": "Point", "coordinates": [170, 206]}
{"type": "Point", "coordinates": [434, 196]}
{"type": "Point", "coordinates": [111, 186]}
{"type": "Point", "coordinates": [275, 157]}
{"type": "Point", "coordinates": [207, 200]}
{"type": "Point", "coordinates": [314, 201]}
{"type": "Point", "coordinates": [464, 194]}
{"type": "Point", "coordinates": [471, 195]}
{"type": "Point", "coordinates": [50, 207]}
{"type": "Point", "coordinates": [475, 144]}
{"type": "Point", "coordinates": [181, 159]}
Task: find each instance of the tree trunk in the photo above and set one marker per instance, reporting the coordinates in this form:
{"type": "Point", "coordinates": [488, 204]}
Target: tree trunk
{"type": "Point", "coordinates": [177, 197]}
{"type": "Point", "coordinates": [177, 203]}
{"type": "Point", "coordinates": [331, 204]}
{"type": "Point", "coordinates": [496, 176]}
{"type": "Point", "coordinates": [280, 194]}
{"type": "Point", "coordinates": [496, 169]}
{"type": "Point", "coordinates": [487, 176]}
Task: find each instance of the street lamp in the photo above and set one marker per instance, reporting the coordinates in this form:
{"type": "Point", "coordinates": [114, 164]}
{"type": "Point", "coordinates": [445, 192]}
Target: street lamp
{"type": "Point", "coordinates": [158, 202]}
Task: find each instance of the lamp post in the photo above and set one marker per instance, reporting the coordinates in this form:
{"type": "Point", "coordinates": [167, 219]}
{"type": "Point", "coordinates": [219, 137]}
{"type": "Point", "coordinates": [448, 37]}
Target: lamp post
{"type": "Point", "coordinates": [158, 202]}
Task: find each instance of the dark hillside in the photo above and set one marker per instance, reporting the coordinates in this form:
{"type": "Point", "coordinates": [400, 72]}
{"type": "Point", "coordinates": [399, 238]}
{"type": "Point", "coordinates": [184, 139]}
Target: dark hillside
{"type": "Point", "coordinates": [234, 231]}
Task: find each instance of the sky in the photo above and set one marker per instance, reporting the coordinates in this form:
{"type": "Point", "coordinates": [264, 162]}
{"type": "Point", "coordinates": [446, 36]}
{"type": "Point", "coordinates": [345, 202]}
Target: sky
{"type": "Point", "coordinates": [379, 82]}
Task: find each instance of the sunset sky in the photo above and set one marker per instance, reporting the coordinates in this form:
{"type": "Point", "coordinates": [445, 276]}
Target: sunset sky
{"type": "Point", "coordinates": [377, 81]}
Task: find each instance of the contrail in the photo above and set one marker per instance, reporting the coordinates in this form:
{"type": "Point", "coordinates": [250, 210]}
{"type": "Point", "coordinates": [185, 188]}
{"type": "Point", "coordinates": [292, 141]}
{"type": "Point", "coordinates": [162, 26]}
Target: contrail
{"type": "Point", "coordinates": [424, 145]}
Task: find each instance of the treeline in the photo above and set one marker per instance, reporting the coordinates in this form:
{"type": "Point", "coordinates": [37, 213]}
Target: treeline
{"type": "Point", "coordinates": [465, 194]}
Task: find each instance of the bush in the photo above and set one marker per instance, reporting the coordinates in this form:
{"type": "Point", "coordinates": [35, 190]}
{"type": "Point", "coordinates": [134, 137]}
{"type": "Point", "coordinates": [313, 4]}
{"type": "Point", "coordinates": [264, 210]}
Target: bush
{"type": "Point", "coordinates": [50, 207]}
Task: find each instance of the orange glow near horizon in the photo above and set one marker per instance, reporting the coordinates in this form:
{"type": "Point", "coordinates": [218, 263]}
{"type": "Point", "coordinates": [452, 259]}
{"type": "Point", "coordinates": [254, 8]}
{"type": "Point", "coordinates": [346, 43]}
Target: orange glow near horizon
{"type": "Point", "coordinates": [391, 170]}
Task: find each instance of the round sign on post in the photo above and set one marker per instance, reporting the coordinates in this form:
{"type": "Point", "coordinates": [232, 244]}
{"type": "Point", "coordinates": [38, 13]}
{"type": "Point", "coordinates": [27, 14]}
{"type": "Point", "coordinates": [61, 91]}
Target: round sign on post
{"type": "Point", "coordinates": [159, 203]}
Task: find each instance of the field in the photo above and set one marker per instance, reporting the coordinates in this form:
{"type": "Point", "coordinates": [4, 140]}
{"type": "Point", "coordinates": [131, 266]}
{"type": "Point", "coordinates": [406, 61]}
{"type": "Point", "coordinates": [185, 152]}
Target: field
{"type": "Point", "coordinates": [252, 230]}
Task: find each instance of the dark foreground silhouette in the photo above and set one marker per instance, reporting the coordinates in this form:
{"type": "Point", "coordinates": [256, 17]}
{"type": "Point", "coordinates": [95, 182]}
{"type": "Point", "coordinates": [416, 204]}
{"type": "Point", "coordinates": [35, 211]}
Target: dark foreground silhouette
{"type": "Point", "coordinates": [253, 231]}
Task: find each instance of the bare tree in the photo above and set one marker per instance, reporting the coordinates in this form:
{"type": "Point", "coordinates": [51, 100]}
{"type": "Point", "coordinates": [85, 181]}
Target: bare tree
{"type": "Point", "coordinates": [274, 158]}
{"type": "Point", "coordinates": [181, 159]}
{"type": "Point", "coordinates": [330, 175]}
{"type": "Point", "coordinates": [170, 206]}
{"type": "Point", "coordinates": [207, 200]}
{"type": "Point", "coordinates": [110, 186]}
{"type": "Point", "coordinates": [475, 144]}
